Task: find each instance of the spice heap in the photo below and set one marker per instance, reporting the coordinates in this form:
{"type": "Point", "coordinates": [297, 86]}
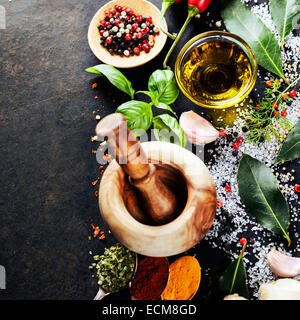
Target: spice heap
{"type": "Point", "coordinates": [115, 267]}
{"type": "Point", "coordinates": [122, 32]}
{"type": "Point", "coordinates": [150, 279]}
{"type": "Point", "coordinates": [184, 280]}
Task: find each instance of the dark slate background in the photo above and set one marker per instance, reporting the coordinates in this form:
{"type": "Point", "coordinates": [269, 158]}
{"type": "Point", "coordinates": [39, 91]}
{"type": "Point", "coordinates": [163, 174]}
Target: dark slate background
{"type": "Point", "coordinates": [47, 201]}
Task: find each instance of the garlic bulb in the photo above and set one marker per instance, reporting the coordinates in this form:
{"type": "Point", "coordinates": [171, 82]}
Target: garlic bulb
{"type": "Point", "coordinates": [282, 264]}
{"type": "Point", "coordinates": [197, 129]}
{"type": "Point", "coordinates": [282, 289]}
{"type": "Point", "coordinates": [234, 296]}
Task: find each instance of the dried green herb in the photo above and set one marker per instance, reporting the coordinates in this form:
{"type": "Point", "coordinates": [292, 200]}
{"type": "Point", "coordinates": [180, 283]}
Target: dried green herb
{"type": "Point", "coordinates": [115, 267]}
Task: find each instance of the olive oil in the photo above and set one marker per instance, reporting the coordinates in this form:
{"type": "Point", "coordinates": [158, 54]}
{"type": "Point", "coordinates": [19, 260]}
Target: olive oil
{"type": "Point", "coordinates": [215, 71]}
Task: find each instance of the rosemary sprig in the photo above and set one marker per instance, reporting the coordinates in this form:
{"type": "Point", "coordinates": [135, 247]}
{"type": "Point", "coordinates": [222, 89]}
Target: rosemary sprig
{"type": "Point", "coordinates": [268, 119]}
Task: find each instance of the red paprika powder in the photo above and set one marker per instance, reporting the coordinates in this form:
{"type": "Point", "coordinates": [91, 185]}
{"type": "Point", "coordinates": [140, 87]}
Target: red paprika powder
{"type": "Point", "coordinates": [150, 279]}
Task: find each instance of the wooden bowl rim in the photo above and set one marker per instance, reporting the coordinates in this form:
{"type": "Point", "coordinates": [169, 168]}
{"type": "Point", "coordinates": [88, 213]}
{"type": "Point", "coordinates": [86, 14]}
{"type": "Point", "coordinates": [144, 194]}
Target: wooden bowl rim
{"type": "Point", "coordinates": [132, 61]}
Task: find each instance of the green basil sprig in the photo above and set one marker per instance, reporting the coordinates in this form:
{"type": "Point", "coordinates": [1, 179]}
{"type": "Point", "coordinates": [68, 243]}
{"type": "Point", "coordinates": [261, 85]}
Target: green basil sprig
{"type": "Point", "coordinates": [162, 90]}
{"type": "Point", "coordinates": [114, 76]}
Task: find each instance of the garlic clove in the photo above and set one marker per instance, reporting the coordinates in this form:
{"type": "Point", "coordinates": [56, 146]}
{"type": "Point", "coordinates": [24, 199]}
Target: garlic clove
{"type": "Point", "coordinates": [282, 264]}
{"type": "Point", "coordinates": [234, 296]}
{"type": "Point", "coordinates": [282, 289]}
{"type": "Point", "coordinates": [197, 129]}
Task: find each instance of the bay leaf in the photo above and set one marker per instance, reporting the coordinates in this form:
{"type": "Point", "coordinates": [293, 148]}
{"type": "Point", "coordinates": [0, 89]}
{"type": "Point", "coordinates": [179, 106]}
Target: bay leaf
{"type": "Point", "coordinates": [290, 149]}
{"type": "Point", "coordinates": [239, 19]}
{"type": "Point", "coordinates": [259, 191]}
{"type": "Point", "coordinates": [285, 15]}
{"type": "Point", "coordinates": [234, 279]}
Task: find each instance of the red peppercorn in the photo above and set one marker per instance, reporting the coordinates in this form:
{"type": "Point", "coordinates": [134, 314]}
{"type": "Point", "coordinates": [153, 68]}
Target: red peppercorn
{"type": "Point", "coordinates": [145, 41]}
{"type": "Point", "coordinates": [147, 30]}
{"type": "Point", "coordinates": [243, 241]}
{"type": "Point", "coordinates": [124, 9]}
{"type": "Point", "coordinates": [219, 204]}
{"type": "Point", "coordinates": [146, 47]}
{"type": "Point", "coordinates": [113, 11]}
{"type": "Point", "coordinates": [140, 46]}
{"type": "Point", "coordinates": [297, 188]}
{"type": "Point", "coordinates": [102, 31]}
{"type": "Point", "coordinates": [134, 26]}
{"type": "Point", "coordinates": [139, 35]}
{"type": "Point", "coordinates": [151, 38]}
{"type": "Point", "coordinates": [148, 19]}
{"type": "Point", "coordinates": [109, 40]}
{"type": "Point", "coordinates": [227, 188]}
{"type": "Point", "coordinates": [136, 51]}
{"type": "Point", "coordinates": [293, 94]}
{"type": "Point", "coordinates": [236, 145]}
{"type": "Point", "coordinates": [128, 37]}
{"type": "Point", "coordinates": [269, 83]}
{"type": "Point", "coordinates": [240, 140]}
{"type": "Point", "coordinates": [107, 23]}
{"type": "Point", "coordinates": [117, 21]}
{"type": "Point", "coordinates": [118, 8]}
{"type": "Point", "coordinates": [102, 22]}
{"type": "Point", "coordinates": [147, 23]}
{"type": "Point", "coordinates": [275, 105]}
{"type": "Point", "coordinates": [107, 13]}
{"type": "Point", "coordinates": [283, 113]}
{"type": "Point", "coordinates": [139, 18]}
{"type": "Point", "coordinates": [118, 14]}
{"type": "Point", "coordinates": [222, 133]}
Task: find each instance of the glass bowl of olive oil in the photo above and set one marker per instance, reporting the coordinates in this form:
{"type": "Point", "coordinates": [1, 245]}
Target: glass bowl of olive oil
{"type": "Point", "coordinates": [216, 69]}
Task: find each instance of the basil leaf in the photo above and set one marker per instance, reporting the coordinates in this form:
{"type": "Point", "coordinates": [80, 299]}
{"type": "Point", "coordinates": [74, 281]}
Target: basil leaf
{"type": "Point", "coordinates": [165, 127]}
{"type": "Point", "coordinates": [290, 149]}
{"type": "Point", "coordinates": [165, 107]}
{"type": "Point", "coordinates": [162, 85]}
{"type": "Point", "coordinates": [285, 15]}
{"type": "Point", "coordinates": [138, 114]}
{"type": "Point", "coordinates": [234, 279]}
{"type": "Point", "coordinates": [259, 191]}
{"type": "Point", "coordinates": [114, 76]}
{"type": "Point", "coordinates": [240, 20]}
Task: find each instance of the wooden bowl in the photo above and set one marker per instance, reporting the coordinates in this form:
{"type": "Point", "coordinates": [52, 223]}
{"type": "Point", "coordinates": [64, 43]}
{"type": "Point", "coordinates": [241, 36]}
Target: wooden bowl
{"type": "Point", "coordinates": [176, 236]}
{"type": "Point", "coordinates": [142, 7]}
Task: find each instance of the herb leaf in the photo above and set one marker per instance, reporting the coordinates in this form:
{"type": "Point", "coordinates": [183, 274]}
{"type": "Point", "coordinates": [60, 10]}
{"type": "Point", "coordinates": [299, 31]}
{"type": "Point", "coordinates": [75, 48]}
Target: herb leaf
{"type": "Point", "coordinates": [285, 14]}
{"type": "Point", "coordinates": [290, 149]}
{"type": "Point", "coordinates": [165, 107]}
{"type": "Point", "coordinates": [240, 20]}
{"type": "Point", "coordinates": [165, 127]}
{"type": "Point", "coordinates": [138, 114]}
{"type": "Point", "coordinates": [259, 191]}
{"type": "Point", "coordinates": [234, 279]}
{"type": "Point", "coordinates": [162, 85]}
{"type": "Point", "coordinates": [114, 76]}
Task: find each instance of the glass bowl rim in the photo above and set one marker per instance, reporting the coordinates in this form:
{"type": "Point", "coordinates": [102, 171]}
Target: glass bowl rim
{"type": "Point", "coordinates": [229, 36]}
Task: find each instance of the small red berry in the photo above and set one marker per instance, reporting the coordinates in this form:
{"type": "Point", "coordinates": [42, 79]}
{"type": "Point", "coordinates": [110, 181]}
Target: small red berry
{"type": "Point", "coordinates": [113, 11]}
{"type": "Point", "coordinates": [269, 83]}
{"type": "Point", "coordinates": [297, 188]}
{"type": "Point", "coordinates": [128, 37]}
{"type": "Point", "coordinates": [102, 22]}
{"type": "Point", "coordinates": [109, 40]}
{"type": "Point", "coordinates": [134, 26]}
{"type": "Point", "coordinates": [136, 51]}
{"type": "Point", "coordinates": [227, 188]}
{"type": "Point", "coordinates": [148, 19]}
{"type": "Point", "coordinates": [139, 18]}
{"type": "Point", "coordinates": [240, 140]}
{"type": "Point", "coordinates": [283, 113]}
{"type": "Point", "coordinates": [293, 94]}
{"type": "Point", "coordinates": [222, 133]}
{"type": "Point", "coordinates": [117, 21]}
{"type": "Point", "coordinates": [118, 8]}
{"type": "Point", "coordinates": [236, 145]}
{"type": "Point", "coordinates": [124, 9]}
{"type": "Point", "coordinates": [243, 241]}
{"type": "Point", "coordinates": [146, 47]}
{"type": "Point", "coordinates": [275, 105]}
{"type": "Point", "coordinates": [107, 23]}
{"type": "Point", "coordinates": [102, 31]}
{"type": "Point", "coordinates": [219, 204]}
{"type": "Point", "coordinates": [107, 13]}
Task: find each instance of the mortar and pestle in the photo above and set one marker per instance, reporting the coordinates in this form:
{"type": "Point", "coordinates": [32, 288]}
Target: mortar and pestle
{"type": "Point", "coordinates": [157, 198]}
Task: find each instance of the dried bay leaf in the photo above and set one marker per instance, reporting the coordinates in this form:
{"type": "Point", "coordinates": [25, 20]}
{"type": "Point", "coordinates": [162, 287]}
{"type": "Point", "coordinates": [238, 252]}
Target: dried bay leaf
{"type": "Point", "coordinates": [259, 191]}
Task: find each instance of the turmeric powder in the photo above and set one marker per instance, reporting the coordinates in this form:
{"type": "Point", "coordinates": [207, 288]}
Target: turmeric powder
{"type": "Point", "coordinates": [184, 279]}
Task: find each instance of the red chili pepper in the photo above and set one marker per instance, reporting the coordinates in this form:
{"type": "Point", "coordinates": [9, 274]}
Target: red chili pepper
{"type": "Point", "coordinates": [194, 8]}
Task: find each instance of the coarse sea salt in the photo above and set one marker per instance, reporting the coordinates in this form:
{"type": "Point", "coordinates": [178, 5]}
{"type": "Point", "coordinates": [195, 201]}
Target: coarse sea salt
{"type": "Point", "coordinates": [223, 167]}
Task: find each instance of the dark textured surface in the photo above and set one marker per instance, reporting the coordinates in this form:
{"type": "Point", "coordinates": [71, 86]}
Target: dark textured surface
{"type": "Point", "coordinates": [47, 201]}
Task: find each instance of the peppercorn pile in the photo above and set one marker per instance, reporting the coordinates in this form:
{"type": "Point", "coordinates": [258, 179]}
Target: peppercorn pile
{"type": "Point", "coordinates": [124, 33]}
